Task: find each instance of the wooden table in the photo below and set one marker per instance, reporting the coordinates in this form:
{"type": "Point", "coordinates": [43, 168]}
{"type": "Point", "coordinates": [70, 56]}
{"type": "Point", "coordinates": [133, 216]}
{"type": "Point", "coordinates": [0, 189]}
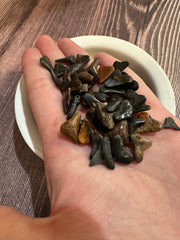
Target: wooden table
{"type": "Point", "coordinates": [152, 25]}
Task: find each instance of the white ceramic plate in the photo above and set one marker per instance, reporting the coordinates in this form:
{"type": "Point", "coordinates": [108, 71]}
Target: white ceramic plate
{"type": "Point", "coordinates": [141, 62]}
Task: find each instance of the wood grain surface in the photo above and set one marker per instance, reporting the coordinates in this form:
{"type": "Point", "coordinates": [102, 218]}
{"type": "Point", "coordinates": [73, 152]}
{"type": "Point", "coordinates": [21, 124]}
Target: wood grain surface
{"type": "Point", "coordinates": [152, 25]}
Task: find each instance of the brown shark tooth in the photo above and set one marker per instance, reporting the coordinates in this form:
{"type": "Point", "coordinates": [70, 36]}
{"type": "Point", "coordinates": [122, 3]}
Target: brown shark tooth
{"type": "Point", "coordinates": [140, 145]}
{"type": "Point", "coordinates": [71, 127]}
{"type": "Point", "coordinates": [150, 125]}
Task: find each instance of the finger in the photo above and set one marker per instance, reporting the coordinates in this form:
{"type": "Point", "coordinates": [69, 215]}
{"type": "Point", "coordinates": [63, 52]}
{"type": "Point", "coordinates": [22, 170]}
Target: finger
{"type": "Point", "coordinates": [68, 47]}
{"type": "Point", "coordinates": [46, 103]}
{"type": "Point", "coordinates": [44, 96]}
{"type": "Point", "coordinates": [47, 46]}
{"type": "Point", "coordinates": [158, 111]}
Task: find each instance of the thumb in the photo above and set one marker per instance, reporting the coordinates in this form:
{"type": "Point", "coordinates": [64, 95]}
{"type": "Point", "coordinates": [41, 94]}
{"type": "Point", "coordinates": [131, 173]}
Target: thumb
{"type": "Point", "coordinates": [16, 226]}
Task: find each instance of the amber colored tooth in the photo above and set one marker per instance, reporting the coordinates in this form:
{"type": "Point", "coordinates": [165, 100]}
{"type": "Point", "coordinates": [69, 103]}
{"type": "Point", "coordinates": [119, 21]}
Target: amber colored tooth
{"type": "Point", "coordinates": [105, 72]}
{"type": "Point", "coordinates": [84, 133]}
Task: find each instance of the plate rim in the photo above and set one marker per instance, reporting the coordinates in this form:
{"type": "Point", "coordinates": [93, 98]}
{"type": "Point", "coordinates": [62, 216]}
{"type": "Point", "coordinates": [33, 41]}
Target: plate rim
{"type": "Point", "coordinates": [19, 109]}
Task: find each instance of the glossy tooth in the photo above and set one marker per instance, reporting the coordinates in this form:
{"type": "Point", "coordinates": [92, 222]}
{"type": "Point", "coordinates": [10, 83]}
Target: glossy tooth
{"type": "Point", "coordinates": [104, 72]}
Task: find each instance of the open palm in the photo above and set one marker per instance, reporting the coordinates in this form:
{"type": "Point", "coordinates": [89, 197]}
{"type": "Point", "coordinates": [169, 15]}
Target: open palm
{"type": "Point", "coordinates": [136, 201]}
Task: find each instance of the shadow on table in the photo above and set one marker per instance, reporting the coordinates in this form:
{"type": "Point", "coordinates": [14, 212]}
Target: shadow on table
{"type": "Point", "coordinates": [34, 167]}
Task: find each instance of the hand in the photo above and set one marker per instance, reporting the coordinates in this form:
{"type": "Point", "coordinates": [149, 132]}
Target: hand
{"type": "Point", "coordinates": [136, 201]}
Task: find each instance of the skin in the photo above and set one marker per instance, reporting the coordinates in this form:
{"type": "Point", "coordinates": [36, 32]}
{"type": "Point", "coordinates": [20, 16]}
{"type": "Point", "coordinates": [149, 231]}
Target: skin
{"type": "Point", "coordinates": [137, 201]}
